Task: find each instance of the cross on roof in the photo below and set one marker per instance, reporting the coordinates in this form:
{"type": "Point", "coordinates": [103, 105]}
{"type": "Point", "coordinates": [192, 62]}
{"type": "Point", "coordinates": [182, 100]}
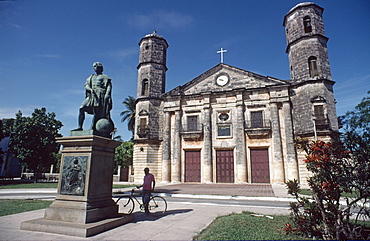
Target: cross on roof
{"type": "Point", "coordinates": [222, 54]}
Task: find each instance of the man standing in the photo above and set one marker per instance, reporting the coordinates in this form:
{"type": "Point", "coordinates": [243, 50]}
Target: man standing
{"type": "Point", "coordinates": [98, 101]}
{"type": "Point", "coordinates": [148, 188]}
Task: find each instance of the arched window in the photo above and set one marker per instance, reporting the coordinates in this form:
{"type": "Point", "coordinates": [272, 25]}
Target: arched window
{"type": "Point", "coordinates": [319, 111]}
{"type": "Point", "coordinates": [319, 114]}
{"type": "Point", "coordinates": [291, 72]}
{"type": "Point", "coordinates": [307, 24]}
{"type": "Point", "coordinates": [145, 87]}
{"type": "Point", "coordinates": [312, 65]}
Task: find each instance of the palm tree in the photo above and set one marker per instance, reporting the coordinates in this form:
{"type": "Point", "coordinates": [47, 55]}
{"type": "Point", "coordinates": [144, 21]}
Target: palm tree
{"type": "Point", "coordinates": [129, 113]}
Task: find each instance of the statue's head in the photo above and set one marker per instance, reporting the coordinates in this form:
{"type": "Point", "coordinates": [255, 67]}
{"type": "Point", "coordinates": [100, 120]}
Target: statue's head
{"type": "Point", "coordinates": [98, 67]}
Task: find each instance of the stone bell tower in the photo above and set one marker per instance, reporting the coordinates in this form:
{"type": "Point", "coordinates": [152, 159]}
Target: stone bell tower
{"type": "Point", "coordinates": [152, 66]}
{"type": "Point", "coordinates": [312, 97]}
{"type": "Point", "coordinates": [150, 85]}
{"type": "Point", "coordinates": [307, 43]}
{"type": "Point", "coordinates": [150, 88]}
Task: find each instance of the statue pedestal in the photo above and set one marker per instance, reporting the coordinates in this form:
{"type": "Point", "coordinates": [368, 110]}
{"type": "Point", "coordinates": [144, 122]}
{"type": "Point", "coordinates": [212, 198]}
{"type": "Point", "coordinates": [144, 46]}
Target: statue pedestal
{"type": "Point", "coordinates": [83, 205]}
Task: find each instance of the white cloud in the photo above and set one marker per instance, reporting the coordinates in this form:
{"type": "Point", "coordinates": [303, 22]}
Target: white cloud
{"type": "Point", "coordinates": [349, 93]}
{"type": "Point", "coordinates": [7, 12]}
{"type": "Point", "coordinates": [51, 56]}
{"type": "Point", "coordinates": [123, 53]}
{"type": "Point", "coordinates": [160, 20]}
{"type": "Point", "coordinates": [11, 24]}
{"type": "Point", "coordinates": [67, 94]}
{"type": "Point", "coordinates": [360, 81]}
{"type": "Point", "coordinates": [9, 112]}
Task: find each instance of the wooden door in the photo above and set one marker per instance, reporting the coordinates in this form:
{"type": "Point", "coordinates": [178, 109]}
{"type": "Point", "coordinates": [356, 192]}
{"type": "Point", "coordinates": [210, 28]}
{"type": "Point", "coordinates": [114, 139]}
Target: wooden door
{"type": "Point", "coordinates": [192, 166]}
{"type": "Point", "coordinates": [225, 166]}
{"type": "Point", "coordinates": [260, 166]}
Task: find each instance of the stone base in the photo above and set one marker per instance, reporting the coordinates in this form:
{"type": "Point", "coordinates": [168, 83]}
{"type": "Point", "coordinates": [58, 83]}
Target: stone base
{"type": "Point", "coordinates": [83, 206]}
{"type": "Point", "coordinates": [90, 132]}
{"type": "Point", "coordinates": [75, 229]}
{"type": "Point", "coordinates": [81, 212]}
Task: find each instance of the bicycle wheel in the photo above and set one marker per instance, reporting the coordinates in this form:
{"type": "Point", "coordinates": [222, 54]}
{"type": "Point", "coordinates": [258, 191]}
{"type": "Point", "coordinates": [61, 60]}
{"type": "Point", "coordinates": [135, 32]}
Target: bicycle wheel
{"type": "Point", "coordinates": [125, 205]}
{"type": "Point", "coordinates": [157, 206]}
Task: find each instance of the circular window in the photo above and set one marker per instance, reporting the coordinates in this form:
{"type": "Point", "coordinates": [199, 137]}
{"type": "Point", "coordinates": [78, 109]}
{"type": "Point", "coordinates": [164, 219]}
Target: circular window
{"type": "Point", "coordinates": [223, 116]}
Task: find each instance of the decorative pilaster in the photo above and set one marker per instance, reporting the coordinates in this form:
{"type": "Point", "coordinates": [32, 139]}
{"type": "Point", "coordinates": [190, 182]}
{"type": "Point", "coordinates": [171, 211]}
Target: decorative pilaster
{"type": "Point", "coordinates": [166, 159]}
{"type": "Point", "coordinates": [291, 160]}
{"type": "Point", "coordinates": [176, 162]}
{"type": "Point", "coordinates": [207, 149]}
{"type": "Point", "coordinates": [240, 155]}
{"type": "Point", "coordinates": [277, 153]}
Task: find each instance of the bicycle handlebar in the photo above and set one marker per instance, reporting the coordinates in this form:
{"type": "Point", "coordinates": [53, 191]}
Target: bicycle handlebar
{"type": "Point", "coordinates": [133, 189]}
{"type": "Point", "coordinates": [136, 187]}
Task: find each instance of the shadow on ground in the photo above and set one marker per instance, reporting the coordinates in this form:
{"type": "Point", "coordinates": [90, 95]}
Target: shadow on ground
{"type": "Point", "coordinates": [141, 217]}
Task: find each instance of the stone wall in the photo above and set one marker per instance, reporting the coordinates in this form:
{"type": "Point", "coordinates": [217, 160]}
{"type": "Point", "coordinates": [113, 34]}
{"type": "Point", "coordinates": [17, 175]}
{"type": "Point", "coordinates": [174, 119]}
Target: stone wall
{"type": "Point", "coordinates": [302, 102]}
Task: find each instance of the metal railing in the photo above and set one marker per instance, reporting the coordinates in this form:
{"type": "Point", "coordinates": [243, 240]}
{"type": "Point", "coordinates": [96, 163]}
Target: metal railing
{"type": "Point", "coordinates": [258, 128]}
{"type": "Point", "coordinates": [263, 123]}
{"type": "Point", "coordinates": [192, 128]}
{"type": "Point", "coordinates": [142, 131]}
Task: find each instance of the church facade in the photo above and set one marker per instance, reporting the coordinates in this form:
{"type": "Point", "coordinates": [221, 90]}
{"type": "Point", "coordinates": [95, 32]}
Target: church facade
{"type": "Point", "coordinates": [229, 125]}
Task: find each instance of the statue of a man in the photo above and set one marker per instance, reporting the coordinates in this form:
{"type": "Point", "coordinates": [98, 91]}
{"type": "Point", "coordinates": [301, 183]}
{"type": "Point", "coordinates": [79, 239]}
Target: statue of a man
{"type": "Point", "coordinates": [98, 101]}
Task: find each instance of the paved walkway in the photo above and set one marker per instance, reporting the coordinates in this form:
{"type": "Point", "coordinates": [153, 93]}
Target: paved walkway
{"type": "Point", "coordinates": [181, 222]}
{"type": "Point", "coordinates": [249, 190]}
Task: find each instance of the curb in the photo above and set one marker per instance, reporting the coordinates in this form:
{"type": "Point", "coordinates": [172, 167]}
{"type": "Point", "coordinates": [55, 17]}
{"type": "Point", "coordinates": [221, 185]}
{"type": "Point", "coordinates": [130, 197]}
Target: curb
{"type": "Point", "coordinates": [220, 197]}
{"type": "Point", "coordinates": [125, 192]}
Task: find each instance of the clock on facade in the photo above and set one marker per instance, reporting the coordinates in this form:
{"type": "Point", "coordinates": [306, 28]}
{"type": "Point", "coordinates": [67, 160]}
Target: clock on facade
{"type": "Point", "coordinates": [222, 80]}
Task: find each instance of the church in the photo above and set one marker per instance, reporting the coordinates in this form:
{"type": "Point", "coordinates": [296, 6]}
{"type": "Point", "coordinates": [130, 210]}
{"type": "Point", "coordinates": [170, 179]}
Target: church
{"type": "Point", "coordinates": [229, 125]}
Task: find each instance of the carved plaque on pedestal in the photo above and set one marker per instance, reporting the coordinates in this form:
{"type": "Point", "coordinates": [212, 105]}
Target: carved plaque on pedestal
{"type": "Point", "coordinates": [73, 175]}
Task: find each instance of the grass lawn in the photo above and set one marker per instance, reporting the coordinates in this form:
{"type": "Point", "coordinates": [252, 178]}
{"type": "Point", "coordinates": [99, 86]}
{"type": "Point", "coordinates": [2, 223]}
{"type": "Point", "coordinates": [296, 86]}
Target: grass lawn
{"type": "Point", "coordinates": [12, 206]}
{"type": "Point", "coordinates": [122, 186]}
{"type": "Point", "coordinates": [30, 185]}
{"type": "Point", "coordinates": [246, 227]}
{"type": "Point", "coordinates": [46, 185]}
{"type": "Point", "coordinates": [344, 194]}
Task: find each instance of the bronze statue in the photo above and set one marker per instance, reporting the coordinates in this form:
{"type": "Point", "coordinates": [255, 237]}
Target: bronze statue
{"type": "Point", "coordinates": [98, 101]}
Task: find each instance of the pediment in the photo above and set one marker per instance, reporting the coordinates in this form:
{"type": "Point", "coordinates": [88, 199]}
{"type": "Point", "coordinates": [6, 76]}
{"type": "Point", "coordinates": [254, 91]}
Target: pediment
{"type": "Point", "coordinates": [224, 77]}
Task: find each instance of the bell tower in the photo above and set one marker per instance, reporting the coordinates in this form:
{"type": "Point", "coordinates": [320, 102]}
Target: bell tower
{"type": "Point", "coordinates": [312, 97]}
{"type": "Point", "coordinates": [307, 43]}
{"type": "Point", "coordinates": [151, 84]}
{"type": "Point", "coordinates": [152, 66]}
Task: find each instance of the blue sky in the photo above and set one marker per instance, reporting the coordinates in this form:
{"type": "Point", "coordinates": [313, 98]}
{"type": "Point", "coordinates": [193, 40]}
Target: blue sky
{"type": "Point", "coordinates": [47, 47]}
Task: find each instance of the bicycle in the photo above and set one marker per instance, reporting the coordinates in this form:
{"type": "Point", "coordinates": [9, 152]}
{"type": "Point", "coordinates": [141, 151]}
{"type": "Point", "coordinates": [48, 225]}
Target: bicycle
{"type": "Point", "coordinates": [126, 205]}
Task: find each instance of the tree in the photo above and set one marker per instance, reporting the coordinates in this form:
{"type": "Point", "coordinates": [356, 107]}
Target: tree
{"type": "Point", "coordinates": [33, 139]}
{"type": "Point", "coordinates": [5, 131]}
{"type": "Point", "coordinates": [338, 169]}
{"type": "Point", "coordinates": [129, 113]}
{"type": "Point", "coordinates": [6, 127]}
{"type": "Point", "coordinates": [1, 137]}
{"type": "Point", "coordinates": [356, 136]}
{"type": "Point", "coordinates": [124, 155]}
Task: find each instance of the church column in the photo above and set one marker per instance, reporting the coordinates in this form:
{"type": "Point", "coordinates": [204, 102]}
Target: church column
{"type": "Point", "coordinates": [207, 149]}
{"type": "Point", "coordinates": [277, 153]}
{"type": "Point", "coordinates": [240, 155]}
{"type": "Point", "coordinates": [176, 162]}
{"type": "Point", "coordinates": [292, 165]}
{"type": "Point", "coordinates": [166, 161]}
